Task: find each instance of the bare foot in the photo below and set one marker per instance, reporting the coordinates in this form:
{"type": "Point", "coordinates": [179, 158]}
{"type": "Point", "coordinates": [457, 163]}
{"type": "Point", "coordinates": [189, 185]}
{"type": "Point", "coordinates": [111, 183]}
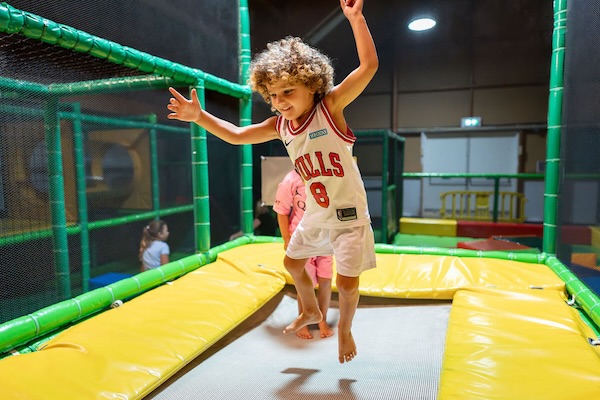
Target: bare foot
{"type": "Point", "coordinates": [346, 347]}
{"type": "Point", "coordinates": [303, 320]}
{"type": "Point", "coordinates": [325, 330]}
{"type": "Point", "coordinates": [304, 333]}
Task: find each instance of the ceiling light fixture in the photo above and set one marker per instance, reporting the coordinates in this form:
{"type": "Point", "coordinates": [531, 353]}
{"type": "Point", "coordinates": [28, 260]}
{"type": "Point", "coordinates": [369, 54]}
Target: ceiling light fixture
{"type": "Point", "coordinates": [421, 24]}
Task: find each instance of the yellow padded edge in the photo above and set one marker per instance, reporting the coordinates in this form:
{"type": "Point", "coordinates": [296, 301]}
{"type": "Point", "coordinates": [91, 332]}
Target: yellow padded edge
{"type": "Point", "coordinates": [518, 345]}
{"type": "Point", "coordinates": [414, 275]}
{"type": "Point", "coordinates": [428, 226]}
{"type": "Point", "coordinates": [128, 351]}
{"type": "Point", "coordinates": [439, 277]}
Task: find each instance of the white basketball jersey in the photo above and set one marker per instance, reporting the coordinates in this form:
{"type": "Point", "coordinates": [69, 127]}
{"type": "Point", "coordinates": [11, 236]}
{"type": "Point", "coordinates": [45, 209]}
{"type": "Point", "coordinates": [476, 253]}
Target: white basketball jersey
{"type": "Point", "coordinates": [322, 154]}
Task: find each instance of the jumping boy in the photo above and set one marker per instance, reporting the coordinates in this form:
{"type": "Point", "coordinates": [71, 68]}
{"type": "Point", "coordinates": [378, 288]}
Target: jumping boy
{"type": "Point", "coordinates": [297, 81]}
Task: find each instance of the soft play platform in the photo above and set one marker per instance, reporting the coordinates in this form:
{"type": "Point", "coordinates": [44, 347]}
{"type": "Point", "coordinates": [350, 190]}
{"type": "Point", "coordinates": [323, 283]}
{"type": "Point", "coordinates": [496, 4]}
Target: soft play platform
{"type": "Point", "coordinates": [453, 328]}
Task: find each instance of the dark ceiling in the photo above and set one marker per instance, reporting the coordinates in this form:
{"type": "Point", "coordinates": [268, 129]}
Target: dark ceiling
{"type": "Point", "coordinates": [461, 24]}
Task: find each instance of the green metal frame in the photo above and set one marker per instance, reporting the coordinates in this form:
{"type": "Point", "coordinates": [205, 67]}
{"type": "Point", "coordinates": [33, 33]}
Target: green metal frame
{"type": "Point", "coordinates": [391, 176]}
{"type": "Point", "coordinates": [555, 101]}
{"type": "Point", "coordinates": [163, 73]}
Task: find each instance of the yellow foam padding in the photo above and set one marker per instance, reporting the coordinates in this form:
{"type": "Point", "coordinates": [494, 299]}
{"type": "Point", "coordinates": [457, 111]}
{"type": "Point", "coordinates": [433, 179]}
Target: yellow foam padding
{"type": "Point", "coordinates": [265, 257]}
{"type": "Point", "coordinates": [414, 275]}
{"type": "Point", "coordinates": [428, 226]}
{"type": "Point", "coordinates": [128, 351]}
{"type": "Point", "coordinates": [439, 277]}
{"type": "Point", "coordinates": [517, 345]}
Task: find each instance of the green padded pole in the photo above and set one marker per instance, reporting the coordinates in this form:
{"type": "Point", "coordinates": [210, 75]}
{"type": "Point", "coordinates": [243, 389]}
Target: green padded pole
{"type": "Point", "coordinates": [7, 84]}
{"type": "Point", "coordinates": [154, 176]}
{"type": "Point", "coordinates": [111, 85]}
{"type": "Point", "coordinates": [555, 101]}
{"type": "Point", "coordinates": [105, 223]}
{"type": "Point", "coordinates": [247, 207]}
{"type": "Point", "coordinates": [200, 180]}
{"type": "Point", "coordinates": [57, 198]}
{"type": "Point", "coordinates": [118, 123]}
{"type": "Point", "coordinates": [137, 217]}
{"type": "Point", "coordinates": [538, 258]}
{"type": "Point", "coordinates": [15, 21]}
{"type": "Point", "coordinates": [385, 167]}
{"type": "Point", "coordinates": [82, 209]}
{"type": "Point", "coordinates": [585, 297]}
{"type": "Point", "coordinates": [400, 181]}
{"type": "Point", "coordinates": [496, 197]}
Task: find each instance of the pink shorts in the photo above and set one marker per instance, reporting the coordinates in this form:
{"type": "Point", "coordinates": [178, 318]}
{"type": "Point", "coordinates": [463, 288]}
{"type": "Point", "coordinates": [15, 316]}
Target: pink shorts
{"type": "Point", "coordinates": [319, 267]}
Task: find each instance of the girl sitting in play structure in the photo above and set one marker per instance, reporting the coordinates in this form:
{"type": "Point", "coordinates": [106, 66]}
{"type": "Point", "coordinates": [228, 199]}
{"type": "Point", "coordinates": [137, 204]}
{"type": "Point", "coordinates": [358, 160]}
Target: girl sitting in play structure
{"type": "Point", "coordinates": [154, 251]}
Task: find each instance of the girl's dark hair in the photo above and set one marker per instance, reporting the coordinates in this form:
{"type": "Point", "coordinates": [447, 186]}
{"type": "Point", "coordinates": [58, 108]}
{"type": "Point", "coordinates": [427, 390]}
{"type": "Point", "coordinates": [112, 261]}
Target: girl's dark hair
{"type": "Point", "coordinates": [149, 235]}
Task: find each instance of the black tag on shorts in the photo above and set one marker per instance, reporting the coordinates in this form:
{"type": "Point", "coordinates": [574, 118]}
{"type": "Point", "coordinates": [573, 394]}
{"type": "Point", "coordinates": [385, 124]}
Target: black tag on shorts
{"type": "Point", "coordinates": [346, 214]}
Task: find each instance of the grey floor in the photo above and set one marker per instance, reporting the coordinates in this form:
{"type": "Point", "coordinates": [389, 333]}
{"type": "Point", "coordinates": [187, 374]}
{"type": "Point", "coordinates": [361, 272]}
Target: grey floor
{"type": "Point", "coordinates": [400, 349]}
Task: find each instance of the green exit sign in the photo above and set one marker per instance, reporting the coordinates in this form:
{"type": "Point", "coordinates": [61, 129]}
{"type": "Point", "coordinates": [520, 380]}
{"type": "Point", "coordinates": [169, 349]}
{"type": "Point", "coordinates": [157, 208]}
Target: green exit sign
{"type": "Point", "coordinates": [470, 122]}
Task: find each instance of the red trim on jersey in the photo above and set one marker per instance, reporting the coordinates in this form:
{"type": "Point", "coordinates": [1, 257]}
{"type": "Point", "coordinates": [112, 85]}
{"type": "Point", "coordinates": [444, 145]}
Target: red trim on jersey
{"type": "Point", "coordinates": [302, 127]}
{"type": "Point", "coordinates": [278, 124]}
{"type": "Point", "coordinates": [346, 137]}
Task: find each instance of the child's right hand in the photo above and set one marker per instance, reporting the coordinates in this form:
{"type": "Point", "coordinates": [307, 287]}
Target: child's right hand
{"type": "Point", "coordinates": [182, 108]}
{"type": "Point", "coordinates": [351, 8]}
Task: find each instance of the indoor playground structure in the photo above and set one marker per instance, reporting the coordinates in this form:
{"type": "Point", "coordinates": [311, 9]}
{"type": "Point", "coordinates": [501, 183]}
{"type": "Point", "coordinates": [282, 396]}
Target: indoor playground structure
{"type": "Point", "coordinates": [86, 162]}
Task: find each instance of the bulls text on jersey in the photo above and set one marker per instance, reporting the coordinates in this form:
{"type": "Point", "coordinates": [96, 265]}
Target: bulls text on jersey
{"type": "Point", "coordinates": [313, 165]}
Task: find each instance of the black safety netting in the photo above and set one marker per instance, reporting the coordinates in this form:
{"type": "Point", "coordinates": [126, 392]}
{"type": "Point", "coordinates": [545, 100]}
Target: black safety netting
{"type": "Point", "coordinates": [579, 211]}
{"type": "Point", "coordinates": [92, 161]}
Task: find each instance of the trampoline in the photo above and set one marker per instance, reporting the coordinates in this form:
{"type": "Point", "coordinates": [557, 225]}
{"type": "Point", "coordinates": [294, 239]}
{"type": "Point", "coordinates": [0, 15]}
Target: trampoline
{"type": "Point", "coordinates": [429, 327]}
{"type": "Point", "coordinates": [400, 357]}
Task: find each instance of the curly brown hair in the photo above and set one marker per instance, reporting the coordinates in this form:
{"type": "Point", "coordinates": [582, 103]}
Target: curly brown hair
{"type": "Point", "coordinates": [293, 61]}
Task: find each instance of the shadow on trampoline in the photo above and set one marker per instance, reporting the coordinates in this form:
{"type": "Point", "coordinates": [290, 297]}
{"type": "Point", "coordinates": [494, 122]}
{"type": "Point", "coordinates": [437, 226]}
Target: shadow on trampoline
{"type": "Point", "coordinates": [294, 389]}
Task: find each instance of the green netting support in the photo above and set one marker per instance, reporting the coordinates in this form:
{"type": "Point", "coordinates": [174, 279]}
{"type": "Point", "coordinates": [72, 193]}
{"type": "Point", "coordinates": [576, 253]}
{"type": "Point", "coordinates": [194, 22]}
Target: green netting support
{"type": "Point", "coordinates": [154, 166]}
{"type": "Point", "coordinates": [246, 200]}
{"type": "Point", "coordinates": [82, 208]}
{"type": "Point", "coordinates": [582, 295]}
{"type": "Point", "coordinates": [200, 181]}
{"type": "Point", "coordinates": [56, 195]}
{"type": "Point", "coordinates": [555, 101]}
{"type": "Point", "coordinates": [441, 251]}
{"type": "Point", "coordinates": [15, 21]}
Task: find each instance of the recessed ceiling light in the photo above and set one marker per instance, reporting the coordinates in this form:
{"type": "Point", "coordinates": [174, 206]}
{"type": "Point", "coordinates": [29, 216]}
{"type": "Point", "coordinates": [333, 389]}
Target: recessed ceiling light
{"type": "Point", "coordinates": [421, 24]}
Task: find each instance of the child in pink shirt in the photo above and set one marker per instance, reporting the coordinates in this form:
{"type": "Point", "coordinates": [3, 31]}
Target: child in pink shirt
{"type": "Point", "coordinates": [289, 206]}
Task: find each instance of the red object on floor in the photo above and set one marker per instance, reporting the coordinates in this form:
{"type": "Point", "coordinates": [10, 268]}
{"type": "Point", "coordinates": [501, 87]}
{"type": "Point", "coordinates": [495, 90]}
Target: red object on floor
{"type": "Point", "coordinates": [492, 244]}
{"type": "Point", "coordinates": [479, 229]}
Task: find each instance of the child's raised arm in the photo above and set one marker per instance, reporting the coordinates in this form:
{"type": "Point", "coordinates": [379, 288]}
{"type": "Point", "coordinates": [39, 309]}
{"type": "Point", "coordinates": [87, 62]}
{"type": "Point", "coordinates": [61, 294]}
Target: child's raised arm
{"type": "Point", "coordinates": [354, 84]}
{"type": "Point", "coordinates": [190, 111]}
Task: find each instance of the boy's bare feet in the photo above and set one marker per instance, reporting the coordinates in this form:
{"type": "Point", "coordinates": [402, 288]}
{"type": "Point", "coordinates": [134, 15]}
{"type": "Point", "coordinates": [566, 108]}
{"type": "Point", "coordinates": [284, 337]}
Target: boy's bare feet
{"type": "Point", "coordinates": [325, 330]}
{"type": "Point", "coordinates": [303, 319]}
{"type": "Point", "coordinates": [346, 346]}
{"type": "Point", "coordinates": [304, 333]}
